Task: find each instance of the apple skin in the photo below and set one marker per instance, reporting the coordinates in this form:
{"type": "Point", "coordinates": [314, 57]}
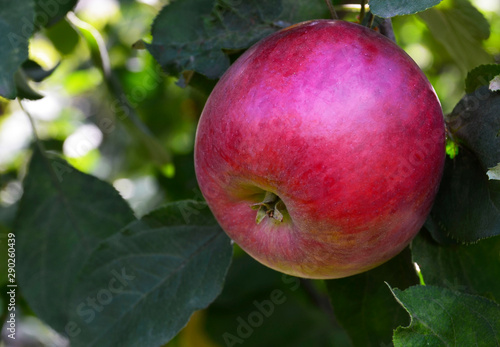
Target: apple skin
{"type": "Point", "coordinates": [339, 123]}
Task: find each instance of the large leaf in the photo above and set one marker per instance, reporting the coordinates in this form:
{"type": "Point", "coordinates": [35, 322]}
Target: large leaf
{"type": "Point", "coordinates": [62, 217]}
{"type": "Point", "coordinates": [364, 305]}
{"type": "Point", "coordinates": [145, 282]}
{"type": "Point", "coordinates": [262, 307]}
{"type": "Point", "coordinates": [16, 26]}
{"type": "Point", "coordinates": [456, 266]}
{"type": "Point", "coordinates": [467, 206]}
{"type": "Point", "coordinates": [190, 34]}
{"type": "Point", "coordinates": [460, 28]}
{"type": "Point", "coordinates": [199, 35]}
{"type": "Point", "coordinates": [391, 8]}
{"type": "Point", "coordinates": [442, 317]}
{"type": "Point", "coordinates": [475, 123]}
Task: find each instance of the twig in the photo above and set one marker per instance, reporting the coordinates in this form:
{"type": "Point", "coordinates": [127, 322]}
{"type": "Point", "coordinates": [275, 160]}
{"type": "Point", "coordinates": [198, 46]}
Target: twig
{"type": "Point", "coordinates": [95, 40]}
{"type": "Point", "coordinates": [33, 127]}
{"type": "Point", "coordinates": [333, 13]}
{"type": "Point", "coordinates": [96, 35]}
{"type": "Point", "coordinates": [362, 11]}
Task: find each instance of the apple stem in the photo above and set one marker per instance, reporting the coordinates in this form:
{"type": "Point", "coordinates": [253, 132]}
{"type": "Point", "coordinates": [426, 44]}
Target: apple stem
{"type": "Point", "coordinates": [272, 207]}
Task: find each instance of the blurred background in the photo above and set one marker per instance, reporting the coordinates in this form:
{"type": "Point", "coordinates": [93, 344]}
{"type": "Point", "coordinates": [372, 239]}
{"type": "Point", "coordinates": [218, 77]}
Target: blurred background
{"type": "Point", "coordinates": [135, 128]}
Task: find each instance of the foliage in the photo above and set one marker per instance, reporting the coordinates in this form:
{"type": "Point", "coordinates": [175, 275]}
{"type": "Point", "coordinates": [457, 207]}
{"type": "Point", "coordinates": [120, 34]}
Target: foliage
{"type": "Point", "coordinates": [441, 317]}
{"type": "Point", "coordinates": [114, 245]}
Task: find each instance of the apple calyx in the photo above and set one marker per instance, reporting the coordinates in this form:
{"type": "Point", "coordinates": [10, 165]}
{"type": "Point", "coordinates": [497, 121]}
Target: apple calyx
{"type": "Point", "coordinates": [272, 206]}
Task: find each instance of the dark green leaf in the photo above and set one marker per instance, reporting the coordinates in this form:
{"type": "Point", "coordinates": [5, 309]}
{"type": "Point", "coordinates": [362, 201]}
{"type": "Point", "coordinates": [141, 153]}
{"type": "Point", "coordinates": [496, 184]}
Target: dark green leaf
{"type": "Point", "coordinates": [150, 278]}
{"type": "Point", "coordinates": [391, 8]}
{"type": "Point", "coordinates": [24, 90]}
{"type": "Point", "coordinates": [191, 34]}
{"type": "Point", "coordinates": [467, 206]}
{"type": "Point", "coordinates": [442, 317]}
{"type": "Point", "coordinates": [480, 76]}
{"type": "Point", "coordinates": [62, 216]}
{"type": "Point", "coordinates": [475, 123]}
{"type": "Point", "coordinates": [261, 307]}
{"type": "Point", "coordinates": [364, 305]}
{"type": "Point", "coordinates": [35, 72]}
{"type": "Point", "coordinates": [50, 12]}
{"type": "Point", "coordinates": [16, 26]}
{"type": "Point", "coordinates": [460, 28]}
{"type": "Point", "coordinates": [456, 266]}
{"type": "Point", "coordinates": [199, 35]}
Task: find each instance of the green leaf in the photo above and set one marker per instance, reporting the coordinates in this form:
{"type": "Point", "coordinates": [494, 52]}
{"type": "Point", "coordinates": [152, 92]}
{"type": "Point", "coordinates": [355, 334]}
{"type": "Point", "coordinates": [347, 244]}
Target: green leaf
{"type": "Point", "coordinates": [364, 305]}
{"type": "Point", "coordinates": [442, 317]}
{"type": "Point", "coordinates": [262, 307]}
{"type": "Point", "coordinates": [467, 206]}
{"type": "Point", "coordinates": [191, 34]}
{"type": "Point", "coordinates": [50, 12]}
{"type": "Point", "coordinates": [456, 266]}
{"type": "Point", "coordinates": [62, 217]}
{"type": "Point", "coordinates": [480, 76]}
{"type": "Point", "coordinates": [35, 72]}
{"type": "Point", "coordinates": [460, 28]}
{"type": "Point", "coordinates": [391, 8]}
{"type": "Point", "coordinates": [145, 282]}
{"type": "Point", "coordinates": [23, 88]}
{"type": "Point", "coordinates": [475, 123]}
{"type": "Point", "coordinates": [16, 26]}
{"type": "Point", "coordinates": [200, 35]}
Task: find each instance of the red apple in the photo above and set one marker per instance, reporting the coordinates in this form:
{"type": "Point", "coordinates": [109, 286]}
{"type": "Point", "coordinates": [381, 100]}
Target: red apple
{"type": "Point", "coordinates": [321, 149]}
